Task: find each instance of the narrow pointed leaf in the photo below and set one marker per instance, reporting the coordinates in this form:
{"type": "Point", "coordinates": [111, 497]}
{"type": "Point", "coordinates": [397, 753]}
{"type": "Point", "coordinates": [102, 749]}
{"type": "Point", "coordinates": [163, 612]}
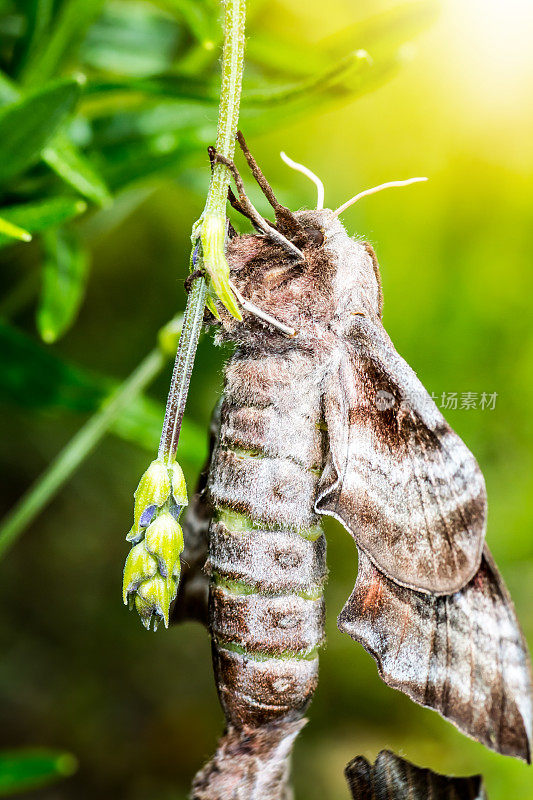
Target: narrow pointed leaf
{"type": "Point", "coordinates": [354, 64]}
{"type": "Point", "coordinates": [63, 156]}
{"type": "Point", "coordinates": [24, 770]}
{"type": "Point", "coordinates": [38, 15]}
{"type": "Point", "coordinates": [214, 259]}
{"type": "Point", "coordinates": [40, 216]}
{"type": "Point", "coordinates": [29, 123]}
{"type": "Point", "coordinates": [14, 231]}
{"type": "Point", "coordinates": [76, 169]}
{"type": "Point", "coordinates": [68, 31]}
{"type": "Point", "coordinates": [64, 277]}
{"type": "Point", "coordinates": [132, 39]}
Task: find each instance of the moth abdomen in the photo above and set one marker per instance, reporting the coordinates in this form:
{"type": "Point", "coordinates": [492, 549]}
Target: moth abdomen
{"type": "Point", "coordinates": [271, 490]}
{"type": "Point", "coordinates": [273, 625]}
{"type": "Point", "coordinates": [259, 431]}
{"type": "Point", "coordinates": [269, 561]}
{"type": "Point", "coordinates": [267, 554]}
{"type": "Point", "coordinates": [266, 616]}
{"type": "Point", "coordinates": [255, 691]}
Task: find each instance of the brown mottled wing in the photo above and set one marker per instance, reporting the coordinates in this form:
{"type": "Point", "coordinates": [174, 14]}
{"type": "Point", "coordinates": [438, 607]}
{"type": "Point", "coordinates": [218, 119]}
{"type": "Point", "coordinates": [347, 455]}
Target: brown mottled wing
{"type": "Point", "coordinates": [394, 778]}
{"type": "Point", "coordinates": [462, 654]}
{"type": "Point", "coordinates": [397, 476]}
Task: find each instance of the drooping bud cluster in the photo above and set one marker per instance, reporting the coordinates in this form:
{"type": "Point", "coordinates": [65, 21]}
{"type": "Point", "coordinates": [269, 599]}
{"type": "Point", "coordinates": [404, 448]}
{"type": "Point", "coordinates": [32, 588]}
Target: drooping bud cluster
{"type": "Point", "coordinates": [152, 569]}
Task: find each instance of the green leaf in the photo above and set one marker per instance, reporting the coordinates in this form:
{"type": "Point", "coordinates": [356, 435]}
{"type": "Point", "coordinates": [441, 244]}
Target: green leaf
{"type": "Point", "coordinates": [38, 217]}
{"type": "Point", "coordinates": [38, 15]}
{"type": "Point", "coordinates": [33, 377]}
{"type": "Point", "coordinates": [23, 770]}
{"type": "Point", "coordinates": [64, 276]}
{"type": "Point", "coordinates": [202, 19]}
{"type": "Point", "coordinates": [28, 124]}
{"type": "Point", "coordinates": [75, 169]}
{"type": "Point", "coordinates": [126, 164]}
{"type": "Point", "coordinates": [353, 65]}
{"type": "Point", "coordinates": [64, 157]}
{"type": "Point", "coordinates": [13, 231]}
{"type": "Point", "coordinates": [132, 39]}
{"type": "Point", "coordinates": [167, 84]}
{"type": "Point", "coordinates": [8, 90]}
{"type": "Point", "coordinates": [68, 30]}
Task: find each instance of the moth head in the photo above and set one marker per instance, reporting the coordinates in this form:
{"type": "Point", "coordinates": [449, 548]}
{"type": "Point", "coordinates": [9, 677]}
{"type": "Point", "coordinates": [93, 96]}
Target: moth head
{"type": "Point", "coordinates": [312, 292]}
{"type": "Point", "coordinates": [313, 295]}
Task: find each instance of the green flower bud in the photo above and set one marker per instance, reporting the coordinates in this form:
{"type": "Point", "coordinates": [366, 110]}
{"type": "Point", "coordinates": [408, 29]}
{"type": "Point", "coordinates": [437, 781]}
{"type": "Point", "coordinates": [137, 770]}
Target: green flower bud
{"type": "Point", "coordinates": [152, 569]}
{"type": "Point", "coordinates": [179, 487]}
{"type": "Point", "coordinates": [153, 489]}
{"type": "Point", "coordinates": [135, 536]}
{"type": "Point", "coordinates": [164, 540]}
{"type": "Point", "coordinates": [154, 598]}
{"type": "Point", "coordinates": [139, 566]}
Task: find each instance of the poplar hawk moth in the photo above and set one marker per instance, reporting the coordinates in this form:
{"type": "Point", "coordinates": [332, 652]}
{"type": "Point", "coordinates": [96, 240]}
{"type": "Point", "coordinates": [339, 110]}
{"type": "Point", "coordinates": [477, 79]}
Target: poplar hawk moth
{"type": "Point", "coordinates": [321, 416]}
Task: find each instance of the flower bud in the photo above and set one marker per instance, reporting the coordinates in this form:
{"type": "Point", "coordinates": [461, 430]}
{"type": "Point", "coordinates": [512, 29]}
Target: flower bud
{"type": "Point", "coordinates": [152, 569]}
{"type": "Point", "coordinates": [139, 567]}
{"type": "Point", "coordinates": [164, 540]}
{"type": "Point", "coordinates": [179, 487]}
{"type": "Point", "coordinates": [154, 597]}
{"type": "Point", "coordinates": [153, 489]}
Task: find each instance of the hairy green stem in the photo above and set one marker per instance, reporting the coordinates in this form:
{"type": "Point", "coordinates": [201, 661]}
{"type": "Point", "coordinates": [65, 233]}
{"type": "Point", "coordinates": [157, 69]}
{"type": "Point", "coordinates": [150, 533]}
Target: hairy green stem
{"type": "Point", "coordinates": [181, 376]}
{"type": "Point", "coordinates": [211, 228]}
{"type": "Point", "coordinates": [66, 462]}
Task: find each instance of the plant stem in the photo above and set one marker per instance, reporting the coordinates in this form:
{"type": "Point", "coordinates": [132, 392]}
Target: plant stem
{"type": "Point", "coordinates": [181, 376]}
{"type": "Point", "coordinates": [230, 97]}
{"type": "Point", "coordinates": [213, 230]}
{"type": "Point", "coordinates": [66, 462]}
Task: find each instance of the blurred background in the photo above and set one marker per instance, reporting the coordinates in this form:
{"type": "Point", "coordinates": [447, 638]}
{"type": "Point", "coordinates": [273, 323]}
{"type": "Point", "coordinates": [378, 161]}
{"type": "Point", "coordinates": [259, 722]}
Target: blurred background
{"type": "Point", "coordinates": [447, 95]}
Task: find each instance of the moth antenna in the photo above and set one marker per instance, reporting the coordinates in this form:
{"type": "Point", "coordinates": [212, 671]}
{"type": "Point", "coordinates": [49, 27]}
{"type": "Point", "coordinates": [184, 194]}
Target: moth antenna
{"type": "Point", "coordinates": [308, 173]}
{"type": "Point", "coordinates": [260, 314]}
{"type": "Point", "coordinates": [374, 190]}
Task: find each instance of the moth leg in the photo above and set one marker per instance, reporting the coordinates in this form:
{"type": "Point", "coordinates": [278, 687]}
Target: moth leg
{"type": "Point", "coordinates": [260, 314]}
{"type": "Point", "coordinates": [187, 283]}
{"type": "Point", "coordinates": [254, 214]}
{"type": "Point", "coordinates": [234, 203]}
{"type": "Point", "coordinates": [237, 205]}
{"type": "Point", "coordinates": [283, 214]}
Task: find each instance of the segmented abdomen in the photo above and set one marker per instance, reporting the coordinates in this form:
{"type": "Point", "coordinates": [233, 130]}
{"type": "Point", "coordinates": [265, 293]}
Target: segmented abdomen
{"type": "Point", "coordinates": [266, 549]}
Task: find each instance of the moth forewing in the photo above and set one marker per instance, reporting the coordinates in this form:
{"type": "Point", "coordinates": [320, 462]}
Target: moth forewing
{"type": "Point", "coordinates": [397, 477]}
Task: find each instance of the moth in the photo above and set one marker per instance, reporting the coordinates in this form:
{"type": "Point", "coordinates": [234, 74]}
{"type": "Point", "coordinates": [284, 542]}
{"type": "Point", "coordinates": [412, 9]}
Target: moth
{"type": "Point", "coordinates": [321, 416]}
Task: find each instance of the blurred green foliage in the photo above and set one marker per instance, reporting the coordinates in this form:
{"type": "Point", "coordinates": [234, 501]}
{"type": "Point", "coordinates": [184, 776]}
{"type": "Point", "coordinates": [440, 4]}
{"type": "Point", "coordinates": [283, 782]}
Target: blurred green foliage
{"type": "Point", "coordinates": [107, 108]}
{"type": "Point", "coordinates": [25, 770]}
